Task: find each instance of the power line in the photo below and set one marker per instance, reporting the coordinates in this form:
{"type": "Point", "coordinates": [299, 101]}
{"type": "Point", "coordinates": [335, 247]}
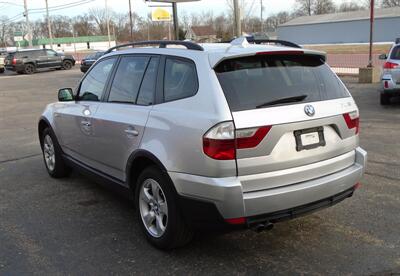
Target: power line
{"type": "Point", "coordinates": [63, 6]}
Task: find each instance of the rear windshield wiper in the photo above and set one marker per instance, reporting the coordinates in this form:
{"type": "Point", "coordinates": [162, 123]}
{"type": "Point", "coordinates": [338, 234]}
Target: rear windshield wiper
{"type": "Point", "coordinates": [284, 100]}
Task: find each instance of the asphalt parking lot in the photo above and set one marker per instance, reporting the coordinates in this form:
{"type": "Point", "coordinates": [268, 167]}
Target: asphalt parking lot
{"type": "Point", "coordinates": [74, 226]}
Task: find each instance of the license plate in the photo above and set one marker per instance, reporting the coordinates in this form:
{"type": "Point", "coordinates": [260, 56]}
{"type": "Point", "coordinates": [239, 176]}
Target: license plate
{"type": "Point", "coordinates": [309, 138]}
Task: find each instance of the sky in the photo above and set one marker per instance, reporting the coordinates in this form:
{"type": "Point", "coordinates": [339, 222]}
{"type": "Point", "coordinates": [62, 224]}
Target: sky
{"type": "Point", "coordinates": [14, 8]}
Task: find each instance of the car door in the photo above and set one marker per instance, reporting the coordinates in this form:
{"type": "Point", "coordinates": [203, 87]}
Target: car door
{"type": "Point", "coordinates": [74, 119]}
{"type": "Point", "coordinates": [119, 122]}
{"type": "Point", "coordinates": [41, 59]}
{"type": "Point", "coordinates": [53, 59]}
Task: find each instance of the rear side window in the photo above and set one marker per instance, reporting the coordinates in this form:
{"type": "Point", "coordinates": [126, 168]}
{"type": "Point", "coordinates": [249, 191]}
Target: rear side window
{"type": "Point", "coordinates": [269, 80]}
{"type": "Point", "coordinates": [148, 88]}
{"type": "Point", "coordinates": [180, 79]}
{"type": "Point", "coordinates": [92, 86]}
{"type": "Point", "coordinates": [395, 53]}
{"type": "Point", "coordinates": [127, 80]}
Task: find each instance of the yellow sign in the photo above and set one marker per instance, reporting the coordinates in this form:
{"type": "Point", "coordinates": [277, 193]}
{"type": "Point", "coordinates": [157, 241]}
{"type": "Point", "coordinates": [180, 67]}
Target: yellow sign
{"type": "Point", "coordinates": [160, 14]}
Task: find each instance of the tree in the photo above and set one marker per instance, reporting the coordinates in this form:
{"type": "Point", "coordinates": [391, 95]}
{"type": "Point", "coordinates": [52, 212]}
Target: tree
{"type": "Point", "coordinates": [324, 6]}
{"type": "Point", "coordinates": [61, 26]}
{"type": "Point", "coordinates": [3, 30]}
{"type": "Point", "coordinates": [390, 3]}
{"type": "Point", "coordinates": [305, 7]}
{"type": "Point", "coordinates": [350, 6]}
{"type": "Point", "coordinates": [83, 25]}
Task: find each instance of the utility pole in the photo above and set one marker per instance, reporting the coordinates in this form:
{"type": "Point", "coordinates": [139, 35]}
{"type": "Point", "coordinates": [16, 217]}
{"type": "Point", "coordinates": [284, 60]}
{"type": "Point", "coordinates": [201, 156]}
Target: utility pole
{"type": "Point", "coordinates": [130, 19]}
{"type": "Point", "coordinates": [108, 25]}
{"type": "Point", "coordinates": [28, 25]}
{"type": "Point", "coordinates": [261, 16]}
{"type": "Point", "coordinates": [176, 24]}
{"type": "Point", "coordinates": [49, 24]}
{"type": "Point", "coordinates": [236, 11]}
{"type": "Point", "coordinates": [371, 32]}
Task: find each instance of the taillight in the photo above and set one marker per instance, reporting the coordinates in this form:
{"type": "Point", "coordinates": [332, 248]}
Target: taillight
{"type": "Point", "coordinates": [386, 85]}
{"type": "Point", "coordinates": [14, 61]}
{"type": "Point", "coordinates": [390, 65]}
{"type": "Point", "coordinates": [250, 138]}
{"type": "Point", "coordinates": [221, 141]}
{"type": "Point", "coordinates": [352, 120]}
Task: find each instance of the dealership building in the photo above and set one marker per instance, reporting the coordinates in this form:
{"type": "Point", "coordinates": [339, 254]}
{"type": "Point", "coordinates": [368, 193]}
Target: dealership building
{"type": "Point", "coordinates": [347, 27]}
{"type": "Point", "coordinates": [71, 44]}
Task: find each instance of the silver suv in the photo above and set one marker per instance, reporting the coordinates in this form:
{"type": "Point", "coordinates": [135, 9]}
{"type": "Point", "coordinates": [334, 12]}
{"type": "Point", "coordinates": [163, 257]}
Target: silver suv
{"type": "Point", "coordinates": [224, 135]}
{"type": "Point", "coordinates": [391, 74]}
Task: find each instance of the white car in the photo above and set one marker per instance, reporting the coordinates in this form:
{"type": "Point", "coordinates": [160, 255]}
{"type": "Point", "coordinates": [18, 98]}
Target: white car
{"type": "Point", "coordinates": [391, 75]}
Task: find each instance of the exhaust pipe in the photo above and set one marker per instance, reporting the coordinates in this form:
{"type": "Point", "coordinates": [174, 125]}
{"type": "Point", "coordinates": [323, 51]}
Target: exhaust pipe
{"type": "Point", "coordinates": [263, 227]}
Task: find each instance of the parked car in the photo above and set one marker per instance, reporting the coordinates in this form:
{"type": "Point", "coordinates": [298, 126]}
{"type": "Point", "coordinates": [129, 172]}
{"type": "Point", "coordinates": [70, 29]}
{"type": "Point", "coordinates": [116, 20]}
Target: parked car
{"type": "Point", "coordinates": [89, 60]}
{"type": "Point", "coordinates": [222, 135]}
{"type": "Point", "coordinates": [391, 74]}
{"type": "Point", "coordinates": [2, 57]}
{"type": "Point", "coordinates": [29, 60]}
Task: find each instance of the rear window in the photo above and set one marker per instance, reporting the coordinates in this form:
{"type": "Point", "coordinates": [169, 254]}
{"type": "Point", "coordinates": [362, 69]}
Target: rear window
{"type": "Point", "coordinates": [270, 80]}
{"type": "Point", "coordinates": [395, 53]}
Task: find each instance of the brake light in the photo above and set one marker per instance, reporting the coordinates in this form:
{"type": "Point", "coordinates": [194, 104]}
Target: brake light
{"type": "Point", "coordinates": [250, 138]}
{"type": "Point", "coordinates": [14, 61]}
{"type": "Point", "coordinates": [222, 141]}
{"type": "Point", "coordinates": [219, 142]}
{"type": "Point", "coordinates": [390, 65]}
{"type": "Point", "coordinates": [386, 84]}
{"type": "Point", "coordinates": [352, 120]}
{"type": "Point", "coordinates": [280, 53]}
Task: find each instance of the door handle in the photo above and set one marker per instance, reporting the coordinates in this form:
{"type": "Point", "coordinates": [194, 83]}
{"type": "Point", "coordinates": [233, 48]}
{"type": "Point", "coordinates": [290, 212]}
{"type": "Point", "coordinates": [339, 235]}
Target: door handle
{"type": "Point", "coordinates": [86, 123]}
{"type": "Point", "coordinates": [131, 132]}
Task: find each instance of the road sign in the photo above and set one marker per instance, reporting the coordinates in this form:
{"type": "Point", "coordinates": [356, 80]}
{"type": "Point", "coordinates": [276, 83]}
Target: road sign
{"type": "Point", "coordinates": [160, 14]}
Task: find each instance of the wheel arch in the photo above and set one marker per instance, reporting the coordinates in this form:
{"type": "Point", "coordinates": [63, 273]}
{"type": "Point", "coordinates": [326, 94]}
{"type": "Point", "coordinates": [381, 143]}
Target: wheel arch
{"type": "Point", "coordinates": [137, 162]}
{"type": "Point", "coordinates": [42, 125]}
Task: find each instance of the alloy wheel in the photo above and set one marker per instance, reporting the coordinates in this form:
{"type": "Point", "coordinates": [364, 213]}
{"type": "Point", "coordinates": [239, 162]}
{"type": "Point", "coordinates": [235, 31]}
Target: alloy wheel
{"type": "Point", "coordinates": [153, 208]}
{"type": "Point", "coordinates": [49, 153]}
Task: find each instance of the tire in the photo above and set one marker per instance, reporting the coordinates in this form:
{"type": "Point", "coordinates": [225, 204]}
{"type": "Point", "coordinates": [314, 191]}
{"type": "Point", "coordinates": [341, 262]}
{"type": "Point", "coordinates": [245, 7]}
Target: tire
{"type": "Point", "coordinates": [52, 155]}
{"type": "Point", "coordinates": [166, 228]}
{"type": "Point", "coordinates": [29, 68]}
{"type": "Point", "coordinates": [67, 64]}
{"type": "Point", "coordinates": [385, 99]}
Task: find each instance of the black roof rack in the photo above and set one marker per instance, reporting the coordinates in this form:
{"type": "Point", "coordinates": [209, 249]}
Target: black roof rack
{"type": "Point", "coordinates": [161, 43]}
{"type": "Point", "coordinates": [276, 41]}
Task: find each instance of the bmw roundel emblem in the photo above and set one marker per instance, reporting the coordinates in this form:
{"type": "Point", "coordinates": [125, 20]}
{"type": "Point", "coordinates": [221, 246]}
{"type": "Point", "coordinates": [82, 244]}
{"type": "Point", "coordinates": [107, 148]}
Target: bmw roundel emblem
{"type": "Point", "coordinates": [309, 110]}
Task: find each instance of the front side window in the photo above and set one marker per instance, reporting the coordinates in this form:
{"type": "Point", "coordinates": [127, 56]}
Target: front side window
{"type": "Point", "coordinates": [93, 85]}
{"type": "Point", "coordinates": [127, 80]}
{"type": "Point", "coordinates": [268, 80]}
{"type": "Point", "coordinates": [51, 53]}
{"type": "Point", "coordinates": [180, 79]}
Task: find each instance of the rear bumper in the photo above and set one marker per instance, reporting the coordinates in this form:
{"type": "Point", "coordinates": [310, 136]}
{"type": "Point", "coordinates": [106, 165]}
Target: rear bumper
{"type": "Point", "coordinates": [389, 86]}
{"type": "Point", "coordinates": [231, 202]}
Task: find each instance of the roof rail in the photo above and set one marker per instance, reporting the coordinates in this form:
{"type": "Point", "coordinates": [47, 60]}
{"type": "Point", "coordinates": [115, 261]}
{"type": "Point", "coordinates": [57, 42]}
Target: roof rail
{"type": "Point", "coordinates": [276, 41]}
{"type": "Point", "coordinates": [161, 43]}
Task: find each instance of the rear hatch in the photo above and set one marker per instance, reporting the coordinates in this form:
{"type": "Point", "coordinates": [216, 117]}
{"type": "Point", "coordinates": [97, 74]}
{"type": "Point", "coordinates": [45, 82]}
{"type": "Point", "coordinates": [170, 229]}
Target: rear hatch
{"type": "Point", "coordinates": [8, 60]}
{"type": "Point", "coordinates": [392, 66]}
{"type": "Point", "coordinates": [289, 110]}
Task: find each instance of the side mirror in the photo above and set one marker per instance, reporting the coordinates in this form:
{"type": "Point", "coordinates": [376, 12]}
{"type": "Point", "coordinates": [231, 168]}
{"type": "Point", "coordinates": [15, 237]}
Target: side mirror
{"type": "Point", "coordinates": [383, 57]}
{"type": "Point", "coordinates": [65, 95]}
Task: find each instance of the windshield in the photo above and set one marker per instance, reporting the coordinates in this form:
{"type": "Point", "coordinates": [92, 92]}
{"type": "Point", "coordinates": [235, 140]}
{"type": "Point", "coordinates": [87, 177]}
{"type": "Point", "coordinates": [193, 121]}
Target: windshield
{"type": "Point", "coordinates": [266, 80]}
{"type": "Point", "coordinates": [90, 56]}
